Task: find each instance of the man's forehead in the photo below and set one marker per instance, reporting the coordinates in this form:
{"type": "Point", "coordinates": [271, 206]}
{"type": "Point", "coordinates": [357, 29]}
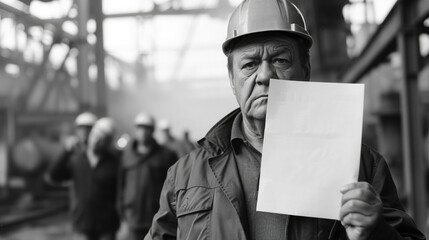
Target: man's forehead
{"type": "Point", "coordinates": [249, 43]}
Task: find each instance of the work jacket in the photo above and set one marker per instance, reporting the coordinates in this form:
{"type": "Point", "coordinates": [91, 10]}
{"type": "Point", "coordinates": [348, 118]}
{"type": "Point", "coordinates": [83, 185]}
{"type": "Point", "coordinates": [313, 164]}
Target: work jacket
{"type": "Point", "coordinates": [94, 189]}
{"type": "Point", "coordinates": [142, 177]}
{"type": "Point", "coordinates": [202, 198]}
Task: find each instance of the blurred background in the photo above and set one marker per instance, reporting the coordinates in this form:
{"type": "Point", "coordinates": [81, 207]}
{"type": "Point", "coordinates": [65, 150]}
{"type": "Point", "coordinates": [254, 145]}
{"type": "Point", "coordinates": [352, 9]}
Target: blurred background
{"type": "Point", "coordinates": [59, 58]}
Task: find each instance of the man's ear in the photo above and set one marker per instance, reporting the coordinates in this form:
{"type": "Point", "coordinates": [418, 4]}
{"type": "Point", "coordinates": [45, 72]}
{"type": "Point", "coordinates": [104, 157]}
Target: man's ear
{"type": "Point", "coordinates": [231, 82]}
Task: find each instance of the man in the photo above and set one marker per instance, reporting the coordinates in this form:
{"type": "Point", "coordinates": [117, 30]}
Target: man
{"type": "Point", "coordinates": [180, 147]}
{"type": "Point", "coordinates": [187, 142]}
{"type": "Point", "coordinates": [144, 168]}
{"type": "Point", "coordinates": [92, 165]}
{"type": "Point", "coordinates": [212, 193]}
{"type": "Point", "coordinates": [84, 123]}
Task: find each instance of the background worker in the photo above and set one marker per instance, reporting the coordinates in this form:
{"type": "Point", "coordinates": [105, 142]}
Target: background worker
{"type": "Point", "coordinates": [93, 170]}
{"type": "Point", "coordinates": [180, 146]}
{"type": "Point", "coordinates": [83, 123]}
{"type": "Point", "coordinates": [212, 193]}
{"type": "Point", "coordinates": [144, 168]}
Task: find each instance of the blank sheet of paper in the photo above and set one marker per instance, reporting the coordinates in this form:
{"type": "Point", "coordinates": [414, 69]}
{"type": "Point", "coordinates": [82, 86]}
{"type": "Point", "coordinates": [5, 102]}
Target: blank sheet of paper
{"type": "Point", "coordinates": [311, 147]}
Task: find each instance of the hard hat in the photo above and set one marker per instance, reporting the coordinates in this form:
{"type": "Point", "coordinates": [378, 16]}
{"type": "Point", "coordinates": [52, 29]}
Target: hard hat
{"type": "Point", "coordinates": [164, 124]}
{"type": "Point", "coordinates": [144, 119]}
{"type": "Point", "coordinates": [104, 125]}
{"type": "Point", "coordinates": [257, 16]}
{"type": "Point", "coordinates": [85, 119]}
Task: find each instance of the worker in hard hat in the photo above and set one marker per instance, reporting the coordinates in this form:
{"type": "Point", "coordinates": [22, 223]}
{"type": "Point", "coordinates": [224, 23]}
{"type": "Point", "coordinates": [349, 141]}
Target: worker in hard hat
{"type": "Point", "coordinates": [212, 192]}
{"type": "Point", "coordinates": [179, 146]}
{"type": "Point", "coordinates": [77, 143]}
{"type": "Point", "coordinates": [94, 171]}
{"type": "Point", "coordinates": [144, 168]}
{"type": "Point", "coordinates": [165, 133]}
{"type": "Point", "coordinates": [83, 123]}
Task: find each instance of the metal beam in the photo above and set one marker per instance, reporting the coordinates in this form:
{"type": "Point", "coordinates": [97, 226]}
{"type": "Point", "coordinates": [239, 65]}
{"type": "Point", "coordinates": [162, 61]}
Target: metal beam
{"type": "Point", "coordinates": [31, 20]}
{"type": "Point", "coordinates": [28, 18]}
{"type": "Point", "coordinates": [82, 57]}
{"type": "Point", "coordinates": [25, 95]}
{"type": "Point", "coordinates": [383, 41]}
{"type": "Point", "coordinates": [224, 10]}
{"type": "Point", "coordinates": [414, 165]}
{"type": "Point", "coordinates": [41, 118]}
{"type": "Point", "coordinates": [54, 81]}
{"type": "Point", "coordinates": [100, 57]}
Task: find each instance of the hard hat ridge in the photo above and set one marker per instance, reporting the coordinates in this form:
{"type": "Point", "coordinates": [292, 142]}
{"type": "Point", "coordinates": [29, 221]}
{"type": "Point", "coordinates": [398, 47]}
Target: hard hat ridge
{"type": "Point", "coordinates": [105, 125]}
{"type": "Point", "coordinates": [259, 16]}
{"type": "Point", "coordinates": [164, 124]}
{"type": "Point", "coordinates": [144, 119]}
{"type": "Point", "coordinates": [85, 119]}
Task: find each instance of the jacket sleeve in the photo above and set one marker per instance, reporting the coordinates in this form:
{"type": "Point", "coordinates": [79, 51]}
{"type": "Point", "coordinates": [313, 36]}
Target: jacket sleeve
{"type": "Point", "coordinates": [396, 224]}
{"type": "Point", "coordinates": [164, 223]}
{"type": "Point", "coordinates": [60, 171]}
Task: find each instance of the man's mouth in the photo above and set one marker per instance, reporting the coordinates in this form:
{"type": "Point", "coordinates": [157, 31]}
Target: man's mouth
{"type": "Point", "coordinates": [262, 96]}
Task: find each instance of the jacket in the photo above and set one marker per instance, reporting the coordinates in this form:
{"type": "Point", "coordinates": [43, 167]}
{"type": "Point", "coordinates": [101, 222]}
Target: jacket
{"type": "Point", "coordinates": [202, 198]}
{"type": "Point", "coordinates": [94, 189]}
{"type": "Point", "coordinates": [142, 177]}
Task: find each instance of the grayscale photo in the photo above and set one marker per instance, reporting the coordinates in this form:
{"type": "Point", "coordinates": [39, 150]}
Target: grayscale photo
{"type": "Point", "coordinates": [214, 119]}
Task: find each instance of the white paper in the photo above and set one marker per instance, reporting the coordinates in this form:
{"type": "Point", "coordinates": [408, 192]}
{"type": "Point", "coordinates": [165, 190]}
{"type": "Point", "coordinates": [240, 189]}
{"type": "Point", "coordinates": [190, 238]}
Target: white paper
{"type": "Point", "coordinates": [311, 147]}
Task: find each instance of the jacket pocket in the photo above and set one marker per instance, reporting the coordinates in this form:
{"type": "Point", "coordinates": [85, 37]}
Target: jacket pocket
{"type": "Point", "coordinates": [193, 211]}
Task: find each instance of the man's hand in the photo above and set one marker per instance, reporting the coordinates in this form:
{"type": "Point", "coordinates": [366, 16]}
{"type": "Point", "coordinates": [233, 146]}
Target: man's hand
{"type": "Point", "coordinates": [360, 210]}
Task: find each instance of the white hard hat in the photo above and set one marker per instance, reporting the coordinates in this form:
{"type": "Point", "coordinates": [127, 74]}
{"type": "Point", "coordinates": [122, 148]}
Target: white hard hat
{"type": "Point", "coordinates": [85, 119]}
{"type": "Point", "coordinates": [164, 124]}
{"type": "Point", "coordinates": [104, 125]}
{"type": "Point", "coordinates": [144, 119]}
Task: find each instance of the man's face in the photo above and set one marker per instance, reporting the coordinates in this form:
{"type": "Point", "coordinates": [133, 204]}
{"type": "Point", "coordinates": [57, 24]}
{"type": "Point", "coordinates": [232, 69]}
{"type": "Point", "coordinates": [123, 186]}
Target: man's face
{"type": "Point", "coordinates": [255, 61]}
{"type": "Point", "coordinates": [99, 141]}
{"type": "Point", "coordinates": [82, 133]}
{"type": "Point", "coordinates": [144, 134]}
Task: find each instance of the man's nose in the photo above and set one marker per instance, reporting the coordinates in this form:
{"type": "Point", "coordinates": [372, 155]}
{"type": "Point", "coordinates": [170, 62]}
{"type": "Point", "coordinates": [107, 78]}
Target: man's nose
{"type": "Point", "coordinates": [265, 74]}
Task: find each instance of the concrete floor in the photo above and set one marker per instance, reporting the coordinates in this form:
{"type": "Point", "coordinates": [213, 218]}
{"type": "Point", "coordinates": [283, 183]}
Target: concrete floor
{"type": "Point", "coordinates": [56, 227]}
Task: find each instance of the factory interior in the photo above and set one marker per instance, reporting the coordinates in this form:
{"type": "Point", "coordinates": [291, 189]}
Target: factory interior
{"type": "Point", "coordinates": [59, 58]}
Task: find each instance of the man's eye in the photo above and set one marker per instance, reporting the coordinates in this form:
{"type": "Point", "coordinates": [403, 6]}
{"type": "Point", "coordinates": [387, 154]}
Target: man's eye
{"type": "Point", "coordinates": [250, 65]}
{"type": "Point", "coordinates": [281, 61]}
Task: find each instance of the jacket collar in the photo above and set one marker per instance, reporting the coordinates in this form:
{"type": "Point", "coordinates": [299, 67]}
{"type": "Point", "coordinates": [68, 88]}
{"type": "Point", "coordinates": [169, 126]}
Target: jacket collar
{"type": "Point", "coordinates": [217, 142]}
{"type": "Point", "coordinates": [217, 139]}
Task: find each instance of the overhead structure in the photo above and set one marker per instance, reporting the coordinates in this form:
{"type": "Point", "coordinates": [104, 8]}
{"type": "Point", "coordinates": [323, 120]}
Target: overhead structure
{"type": "Point", "coordinates": [324, 19]}
{"type": "Point", "coordinates": [221, 8]}
{"type": "Point", "coordinates": [384, 41]}
{"type": "Point", "coordinates": [400, 32]}
{"type": "Point", "coordinates": [46, 57]}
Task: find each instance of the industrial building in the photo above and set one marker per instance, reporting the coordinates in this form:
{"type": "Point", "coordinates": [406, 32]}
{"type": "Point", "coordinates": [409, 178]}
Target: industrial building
{"type": "Point", "coordinates": [59, 58]}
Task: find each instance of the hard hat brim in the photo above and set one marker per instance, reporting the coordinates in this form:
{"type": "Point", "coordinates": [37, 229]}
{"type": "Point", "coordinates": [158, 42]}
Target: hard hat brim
{"type": "Point", "coordinates": [228, 44]}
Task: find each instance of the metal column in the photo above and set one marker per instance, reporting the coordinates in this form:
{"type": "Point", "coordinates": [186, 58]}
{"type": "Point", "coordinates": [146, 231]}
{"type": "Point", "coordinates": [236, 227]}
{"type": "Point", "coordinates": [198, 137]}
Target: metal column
{"type": "Point", "coordinates": [82, 58]}
{"type": "Point", "coordinates": [100, 55]}
{"type": "Point", "coordinates": [408, 45]}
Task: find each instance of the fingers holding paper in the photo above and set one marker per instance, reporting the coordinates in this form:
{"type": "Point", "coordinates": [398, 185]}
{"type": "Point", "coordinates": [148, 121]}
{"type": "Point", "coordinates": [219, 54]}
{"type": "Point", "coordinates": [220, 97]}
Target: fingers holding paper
{"type": "Point", "coordinates": [360, 210]}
